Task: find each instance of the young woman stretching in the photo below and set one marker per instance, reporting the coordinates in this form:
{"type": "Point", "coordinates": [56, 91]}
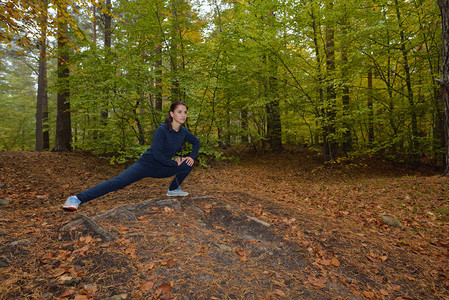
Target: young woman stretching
{"type": "Point", "coordinates": [156, 162]}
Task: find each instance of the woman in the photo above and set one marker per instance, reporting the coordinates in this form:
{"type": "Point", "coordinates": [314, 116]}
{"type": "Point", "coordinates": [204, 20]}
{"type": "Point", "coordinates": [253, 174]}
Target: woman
{"type": "Point", "coordinates": [156, 162]}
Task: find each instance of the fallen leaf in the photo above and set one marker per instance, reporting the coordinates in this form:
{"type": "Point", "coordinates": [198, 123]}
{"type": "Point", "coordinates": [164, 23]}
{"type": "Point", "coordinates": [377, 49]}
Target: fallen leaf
{"type": "Point", "coordinates": [335, 262]}
{"type": "Point", "coordinates": [163, 289]}
{"type": "Point", "coordinates": [81, 297]}
{"type": "Point", "coordinates": [58, 272]}
{"type": "Point", "coordinates": [318, 282]}
{"type": "Point", "coordinates": [67, 293]}
{"type": "Point", "coordinates": [149, 266]}
{"type": "Point", "coordinates": [91, 289]}
{"type": "Point", "coordinates": [394, 287]}
{"type": "Point", "coordinates": [324, 262]}
{"type": "Point", "coordinates": [171, 263]}
{"type": "Point", "coordinates": [279, 293]}
{"type": "Point", "coordinates": [258, 211]}
{"type": "Point", "coordinates": [72, 272]}
{"type": "Point", "coordinates": [368, 294]}
{"type": "Point", "coordinates": [147, 285]}
{"type": "Point", "coordinates": [443, 243]}
{"type": "Point", "coordinates": [9, 281]}
{"type": "Point", "coordinates": [242, 254]}
{"type": "Point", "coordinates": [165, 297]}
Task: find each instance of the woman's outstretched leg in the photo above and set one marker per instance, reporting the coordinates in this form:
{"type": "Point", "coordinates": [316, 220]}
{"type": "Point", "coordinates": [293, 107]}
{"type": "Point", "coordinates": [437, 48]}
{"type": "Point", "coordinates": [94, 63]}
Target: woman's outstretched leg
{"type": "Point", "coordinates": [134, 173]}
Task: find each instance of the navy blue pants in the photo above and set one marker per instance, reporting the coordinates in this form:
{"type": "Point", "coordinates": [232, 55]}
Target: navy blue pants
{"type": "Point", "coordinates": [137, 171]}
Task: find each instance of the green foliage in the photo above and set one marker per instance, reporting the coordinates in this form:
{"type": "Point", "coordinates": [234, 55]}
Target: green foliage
{"type": "Point", "coordinates": [231, 63]}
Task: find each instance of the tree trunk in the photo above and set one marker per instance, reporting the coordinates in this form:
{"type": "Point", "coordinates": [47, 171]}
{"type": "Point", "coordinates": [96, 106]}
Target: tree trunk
{"type": "Point", "coordinates": [94, 25]}
{"type": "Point", "coordinates": [158, 79]}
{"type": "Point", "coordinates": [175, 88]}
{"type": "Point", "coordinates": [329, 138]}
{"type": "Point", "coordinates": [444, 81]}
{"type": "Point", "coordinates": [345, 98]}
{"type": "Point", "coordinates": [42, 83]}
{"type": "Point", "coordinates": [107, 26]}
{"type": "Point", "coordinates": [274, 126]}
{"type": "Point", "coordinates": [244, 125]}
{"type": "Point", "coordinates": [319, 113]}
{"type": "Point", "coordinates": [410, 97]}
{"type": "Point", "coordinates": [370, 108]}
{"type": "Point", "coordinates": [63, 138]}
{"type": "Point", "coordinates": [107, 46]}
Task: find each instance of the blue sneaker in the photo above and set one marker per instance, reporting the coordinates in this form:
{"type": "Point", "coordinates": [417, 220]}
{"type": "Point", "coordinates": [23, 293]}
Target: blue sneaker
{"type": "Point", "coordinates": [72, 203]}
{"type": "Point", "coordinates": [177, 192]}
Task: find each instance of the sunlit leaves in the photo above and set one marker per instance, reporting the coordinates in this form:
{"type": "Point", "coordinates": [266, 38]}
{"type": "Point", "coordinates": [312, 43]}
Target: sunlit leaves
{"type": "Point", "coordinates": [22, 20]}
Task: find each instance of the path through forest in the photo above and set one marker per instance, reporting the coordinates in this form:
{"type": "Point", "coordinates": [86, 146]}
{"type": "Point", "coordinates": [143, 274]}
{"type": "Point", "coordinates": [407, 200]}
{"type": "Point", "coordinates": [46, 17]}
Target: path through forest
{"type": "Point", "coordinates": [261, 226]}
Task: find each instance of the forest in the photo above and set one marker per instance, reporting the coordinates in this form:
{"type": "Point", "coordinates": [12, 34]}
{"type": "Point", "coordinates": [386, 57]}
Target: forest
{"type": "Point", "coordinates": [322, 172]}
{"type": "Point", "coordinates": [342, 78]}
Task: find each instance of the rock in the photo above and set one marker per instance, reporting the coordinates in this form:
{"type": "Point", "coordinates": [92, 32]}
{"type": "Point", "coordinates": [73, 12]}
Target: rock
{"type": "Point", "coordinates": [24, 242]}
{"type": "Point", "coordinates": [4, 262]}
{"type": "Point", "coordinates": [391, 221]}
{"type": "Point", "coordinates": [4, 202]}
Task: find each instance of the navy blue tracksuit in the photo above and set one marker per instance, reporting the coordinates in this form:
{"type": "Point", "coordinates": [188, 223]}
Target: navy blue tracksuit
{"type": "Point", "coordinates": [156, 162]}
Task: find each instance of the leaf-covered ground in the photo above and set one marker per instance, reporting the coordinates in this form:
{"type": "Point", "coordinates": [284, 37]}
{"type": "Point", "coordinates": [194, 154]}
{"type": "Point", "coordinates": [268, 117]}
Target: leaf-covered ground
{"type": "Point", "coordinates": [262, 226]}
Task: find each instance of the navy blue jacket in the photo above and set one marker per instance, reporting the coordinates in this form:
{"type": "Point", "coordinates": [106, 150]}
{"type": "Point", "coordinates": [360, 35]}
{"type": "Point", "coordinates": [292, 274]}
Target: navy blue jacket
{"type": "Point", "coordinates": [166, 142]}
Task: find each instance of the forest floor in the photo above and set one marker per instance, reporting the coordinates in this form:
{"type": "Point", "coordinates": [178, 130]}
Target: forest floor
{"type": "Point", "coordinates": [259, 226]}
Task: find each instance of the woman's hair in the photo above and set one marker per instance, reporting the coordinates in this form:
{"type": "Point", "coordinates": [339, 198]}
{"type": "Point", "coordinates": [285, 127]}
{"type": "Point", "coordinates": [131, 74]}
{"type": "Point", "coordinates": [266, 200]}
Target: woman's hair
{"type": "Point", "coordinates": [173, 106]}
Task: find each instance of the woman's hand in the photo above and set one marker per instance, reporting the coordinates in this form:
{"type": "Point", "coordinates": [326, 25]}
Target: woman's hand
{"type": "Point", "coordinates": [189, 161]}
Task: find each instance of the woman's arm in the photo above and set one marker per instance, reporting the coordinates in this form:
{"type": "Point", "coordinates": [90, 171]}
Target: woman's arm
{"type": "Point", "coordinates": [195, 144]}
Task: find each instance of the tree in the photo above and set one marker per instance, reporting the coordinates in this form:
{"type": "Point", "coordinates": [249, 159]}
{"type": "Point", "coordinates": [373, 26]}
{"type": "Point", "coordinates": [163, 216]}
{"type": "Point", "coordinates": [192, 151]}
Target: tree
{"type": "Point", "coordinates": [444, 80]}
{"type": "Point", "coordinates": [410, 95]}
{"type": "Point", "coordinates": [329, 107]}
{"type": "Point", "coordinates": [42, 135]}
{"type": "Point", "coordinates": [274, 126]}
{"type": "Point", "coordinates": [63, 139]}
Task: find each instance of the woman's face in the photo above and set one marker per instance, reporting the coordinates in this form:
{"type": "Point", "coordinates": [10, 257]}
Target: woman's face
{"type": "Point", "coordinates": [179, 115]}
